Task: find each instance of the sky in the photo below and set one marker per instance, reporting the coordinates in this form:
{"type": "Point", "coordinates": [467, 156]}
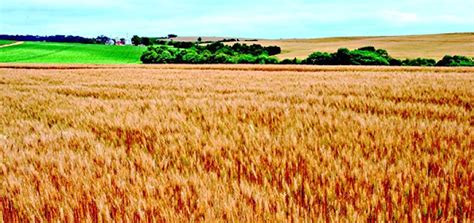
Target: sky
{"type": "Point", "coordinates": [271, 19]}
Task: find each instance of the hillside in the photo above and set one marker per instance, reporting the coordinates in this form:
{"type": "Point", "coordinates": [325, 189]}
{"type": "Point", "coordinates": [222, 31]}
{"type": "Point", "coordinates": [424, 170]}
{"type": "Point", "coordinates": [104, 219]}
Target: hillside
{"type": "Point", "coordinates": [5, 42]}
{"type": "Point", "coordinates": [433, 46]}
{"type": "Point", "coordinates": [73, 53]}
{"type": "Point", "coordinates": [429, 46]}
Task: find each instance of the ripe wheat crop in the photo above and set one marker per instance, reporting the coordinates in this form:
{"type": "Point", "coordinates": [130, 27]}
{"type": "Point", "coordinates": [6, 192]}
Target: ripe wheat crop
{"type": "Point", "coordinates": [236, 143]}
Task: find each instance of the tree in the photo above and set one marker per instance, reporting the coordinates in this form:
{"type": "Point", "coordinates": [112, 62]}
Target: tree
{"type": "Point", "coordinates": [246, 59]}
{"type": "Point", "coordinates": [286, 61]}
{"type": "Point", "coordinates": [273, 50]}
{"type": "Point", "coordinates": [236, 47]}
{"type": "Point", "coordinates": [395, 62]}
{"type": "Point", "coordinates": [383, 53]}
{"type": "Point", "coordinates": [419, 62]}
{"type": "Point", "coordinates": [199, 39]}
{"type": "Point", "coordinates": [265, 59]}
{"type": "Point", "coordinates": [149, 56]}
{"type": "Point", "coordinates": [56, 38]}
{"type": "Point", "coordinates": [146, 41]}
{"type": "Point", "coordinates": [222, 58]}
{"type": "Point", "coordinates": [455, 61]}
{"type": "Point", "coordinates": [343, 57]}
{"type": "Point", "coordinates": [214, 47]}
{"type": "Point", "coordinates": [136, 40]}
{"type": "Point", "coordinates": [256, 49]}
{"type": "Point", "coordinates": [319, 58]}
{"type": "Point", "coordinates": [190, 56]}
{"type": "Point", "coordinates": [367, 48]}
{"type": "Point", "coordinates": [102, 39]}
{"type": "Point", "coordinates": [361, 57]}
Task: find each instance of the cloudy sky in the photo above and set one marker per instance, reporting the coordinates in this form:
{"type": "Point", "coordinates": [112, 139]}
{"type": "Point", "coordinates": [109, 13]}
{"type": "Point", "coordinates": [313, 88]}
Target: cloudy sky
{"type": "Point", "coordinates": [242, 18]}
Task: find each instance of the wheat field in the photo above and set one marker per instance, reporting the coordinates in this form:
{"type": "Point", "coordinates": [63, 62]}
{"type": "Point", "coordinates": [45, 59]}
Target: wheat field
{"type": "Point", "coordinates": [177, 143]}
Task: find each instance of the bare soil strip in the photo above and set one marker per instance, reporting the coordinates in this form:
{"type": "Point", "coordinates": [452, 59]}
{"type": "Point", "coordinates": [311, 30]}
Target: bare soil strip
{"type": "Point", "coordinates": [12, 44]}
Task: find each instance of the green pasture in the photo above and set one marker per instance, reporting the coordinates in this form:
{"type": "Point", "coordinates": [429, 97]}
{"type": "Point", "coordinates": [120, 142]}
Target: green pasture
{"type": "Point", "coordinates": [5, 42]}
{"type": "Point", "coordinates": [70, 53]}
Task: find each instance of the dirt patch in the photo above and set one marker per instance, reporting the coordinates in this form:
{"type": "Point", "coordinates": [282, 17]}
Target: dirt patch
{"type": "Point", "coordinates": [12, 44]}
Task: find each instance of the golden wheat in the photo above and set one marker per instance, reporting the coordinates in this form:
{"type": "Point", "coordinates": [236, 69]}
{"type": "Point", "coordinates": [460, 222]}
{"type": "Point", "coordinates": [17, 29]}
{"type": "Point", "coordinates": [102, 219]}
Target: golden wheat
{"type": "Point", "coordinates": [236, 143]}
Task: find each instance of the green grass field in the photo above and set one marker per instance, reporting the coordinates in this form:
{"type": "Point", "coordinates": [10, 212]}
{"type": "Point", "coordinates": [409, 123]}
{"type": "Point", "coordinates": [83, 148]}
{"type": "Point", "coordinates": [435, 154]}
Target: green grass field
{"type": "Point", "coordinates": [5, 42]}
{"type": "Point", "coordinates": [70, 53]}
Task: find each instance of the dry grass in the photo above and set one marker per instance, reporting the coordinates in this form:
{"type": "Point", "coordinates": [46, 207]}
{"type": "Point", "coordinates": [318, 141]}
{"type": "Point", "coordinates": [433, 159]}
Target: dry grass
{"type": "Point", "coordinates": [247, 143]}
{"type": "Point", "coordinates": [428, 46]}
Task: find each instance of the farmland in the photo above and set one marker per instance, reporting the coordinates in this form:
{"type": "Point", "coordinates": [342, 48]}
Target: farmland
{"type": "Point", "coordinates": [400, 47]}
{"type": "Point", "coordinates": [427, 46]}
{"type": "Point", "coordinates": [5, 42]}
{"type": "Point", "coordinates": [235, 142]}
{"type": "Point", "coordinates": [70, 53]}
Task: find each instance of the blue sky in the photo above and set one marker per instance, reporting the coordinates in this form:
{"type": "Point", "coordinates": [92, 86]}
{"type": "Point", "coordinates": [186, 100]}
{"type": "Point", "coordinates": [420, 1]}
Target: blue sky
{"type": "Point", "coordinates": [243, 18]}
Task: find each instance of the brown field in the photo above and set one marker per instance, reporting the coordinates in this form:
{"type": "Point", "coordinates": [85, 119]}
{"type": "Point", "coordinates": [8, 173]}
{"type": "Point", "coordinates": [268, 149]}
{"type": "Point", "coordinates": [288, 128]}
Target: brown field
{"type": "Point", "coordinates": [427, 46]}
{"type": "Point", "coordinates": [205, 38]}
{"type": "Point", "coordinates": [236, 143]}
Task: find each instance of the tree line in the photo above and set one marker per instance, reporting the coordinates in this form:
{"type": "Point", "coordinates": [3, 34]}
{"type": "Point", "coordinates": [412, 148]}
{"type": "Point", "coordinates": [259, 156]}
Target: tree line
{"type": "Point", "coordinates": [55, 38]}
{"type": "Point", "coordinates": [254, 49]}
{"type": "Point", "coordinates": [217, 52]}
{"type": "Point", "coordinates": [372, 56]}
{"type": "Point", "coordinates": [62, 39]}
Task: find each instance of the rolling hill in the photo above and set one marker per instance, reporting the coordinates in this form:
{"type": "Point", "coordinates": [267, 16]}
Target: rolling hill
{"type": "Point", "coordinates": [5, 42]}
{"type": "Point", "coordinates": [428, 46]}
{"type": "Point", "coordinates": [433, 46]}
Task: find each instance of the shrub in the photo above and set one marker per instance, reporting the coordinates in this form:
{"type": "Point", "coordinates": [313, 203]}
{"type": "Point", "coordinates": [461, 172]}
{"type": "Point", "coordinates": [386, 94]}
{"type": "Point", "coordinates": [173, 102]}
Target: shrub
{"type": "Point", "coordinates": [214, 47]}
{"type": "Point", "coordinates": [368, 48]}
{"type": "Point", "coordinates": [222, 58]}
{"type": "Point", "coordinates": [423, 62]}
{"type": "Point", "coordinates": [383, 53]}
{"type": "Point", "coordinates": [225, 50]}
{"type": "Point", "coordinates": [265, 59]}
{"type": "Point", "coordinates": [455, 61]}
{"type": "Point", "coordinates": [149, 57]}
{"type": "Point", "coordinates": [246, 59]}
{"type": "Point", "coordinates": [361, 57]}
{"type": "Point", "coordinates": [190, 57]}
{"type": "Point", "coordinates": [286, 61]}
{"type": "Point", "coordinates": [160, 54]}
{"type": "Point", "coordinates": [395, 62]}
{"type": "Point", "coordinates": [292, 61]}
